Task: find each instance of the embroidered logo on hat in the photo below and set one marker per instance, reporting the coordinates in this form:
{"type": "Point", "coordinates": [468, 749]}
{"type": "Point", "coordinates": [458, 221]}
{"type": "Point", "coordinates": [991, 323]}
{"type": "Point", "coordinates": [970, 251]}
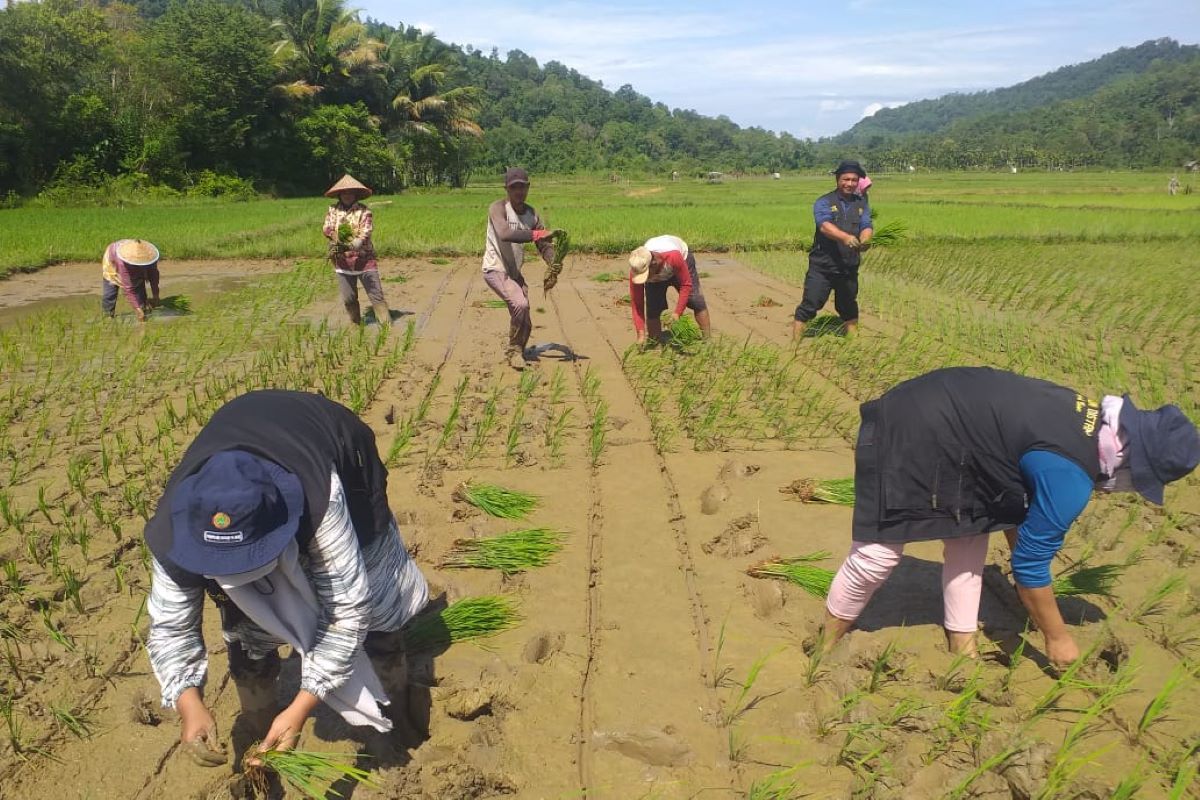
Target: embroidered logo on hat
{"type": "Point", "coordinates": [221, 520]}
{"type": "Point", "coordinates": [224, 538]}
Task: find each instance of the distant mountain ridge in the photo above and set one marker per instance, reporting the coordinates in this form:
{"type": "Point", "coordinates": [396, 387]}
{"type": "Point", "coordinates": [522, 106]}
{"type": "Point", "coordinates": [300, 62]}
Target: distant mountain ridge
{"type": "Point", "coordinates": [1066, 83]}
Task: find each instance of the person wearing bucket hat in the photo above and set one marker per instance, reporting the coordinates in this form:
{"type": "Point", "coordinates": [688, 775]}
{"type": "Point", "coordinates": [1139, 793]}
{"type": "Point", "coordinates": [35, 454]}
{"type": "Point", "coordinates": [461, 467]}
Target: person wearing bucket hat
{"type": "Point", "coordinates": [843, 232]}
{"type": "Point", "coordinates": [278, 511]}
{"type": "Point", "coordinates": [348, 227]}
{"type": "Point", "coordinates": [661, 262]}
{"type": "Point", "coordinates": [128, 265]}
{"type": "Point", "coordinates": [511, 223]}
{"type": "Point", "coordinates": [961, 452]}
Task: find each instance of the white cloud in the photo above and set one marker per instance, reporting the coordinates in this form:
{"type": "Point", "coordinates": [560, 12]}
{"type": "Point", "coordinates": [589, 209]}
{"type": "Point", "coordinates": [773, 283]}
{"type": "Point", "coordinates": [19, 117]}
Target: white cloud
{"type": "Point", "coordinates": [834, 105]}
{"type": "Point", "coordinates": [875, 107]}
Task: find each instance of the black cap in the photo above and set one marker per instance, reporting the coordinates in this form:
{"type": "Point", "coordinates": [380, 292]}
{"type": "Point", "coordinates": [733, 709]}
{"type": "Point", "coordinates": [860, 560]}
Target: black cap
{"type": "Point", "coordinates": [515, 175]}
{"type": "Point", "coordinates": [850, 166]}
{"type": "Point", "coordinates": [1164, 446]}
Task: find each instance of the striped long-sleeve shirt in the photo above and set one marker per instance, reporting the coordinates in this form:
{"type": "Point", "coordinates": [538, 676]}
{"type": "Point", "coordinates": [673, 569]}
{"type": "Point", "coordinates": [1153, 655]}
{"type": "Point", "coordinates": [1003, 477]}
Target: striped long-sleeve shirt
{"type": "Point", "coordinates": [378, 588]}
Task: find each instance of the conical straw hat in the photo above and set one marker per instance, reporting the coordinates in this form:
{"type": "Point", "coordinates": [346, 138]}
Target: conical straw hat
{"type": "Point", "coordinates": [348, 184]}
{"type": "Point", "coordinates": [136, 252]}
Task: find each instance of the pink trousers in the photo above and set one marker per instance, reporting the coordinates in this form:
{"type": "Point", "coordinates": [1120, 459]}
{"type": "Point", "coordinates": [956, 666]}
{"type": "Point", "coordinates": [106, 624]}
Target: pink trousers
{"type": "Point", "coordinates": [869, 565]}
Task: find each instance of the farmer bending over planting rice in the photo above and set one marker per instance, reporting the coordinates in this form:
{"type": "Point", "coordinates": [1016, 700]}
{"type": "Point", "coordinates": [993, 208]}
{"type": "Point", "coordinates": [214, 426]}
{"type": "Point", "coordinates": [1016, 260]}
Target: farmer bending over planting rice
{"type": "Point", "coordinates": [278, 511]}
{"type": "Point", "coordinates": [958, 453]}
{"type": "Point", "coordinates": [128, 265]}
{"type": "Point", "coordinates": [348, 227]}
{"type": "Point", "coordinates": [661, 262]}
{"type": "Point", "coordinates": [512, 223]}
{"type": "Point", "coordinates": [843, 219]}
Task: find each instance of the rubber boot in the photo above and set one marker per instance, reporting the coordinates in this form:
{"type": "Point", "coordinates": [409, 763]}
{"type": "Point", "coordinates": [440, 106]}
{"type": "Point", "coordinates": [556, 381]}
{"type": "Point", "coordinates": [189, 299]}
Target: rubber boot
{"type": "Point", "coordinates": [383, 314]}
{"type": "Point", "coordinates": [353, 312]}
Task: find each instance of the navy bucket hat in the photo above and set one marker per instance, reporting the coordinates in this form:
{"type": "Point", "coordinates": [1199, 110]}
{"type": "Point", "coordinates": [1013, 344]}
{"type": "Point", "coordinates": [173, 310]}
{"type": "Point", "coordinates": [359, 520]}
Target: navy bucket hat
{"type": "Point", "coordinates": [1164, 446]}
{"type": "Point", "coordinates": [235, 514]}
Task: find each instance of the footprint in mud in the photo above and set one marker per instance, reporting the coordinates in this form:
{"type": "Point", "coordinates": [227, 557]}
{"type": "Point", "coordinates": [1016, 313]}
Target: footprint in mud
{"type": "Point", "coordinates": [654, 747]}
{"type": "Point", "coordinates": [540, 648]}
{"type": "Point", "coordinates": [736, 469]}
{"type": "Point", "coordinates": [741, 537]}
{"type": "Point", "coordinates": [712, 498]}
{"type": "Point", "coordinates": [766, 597]}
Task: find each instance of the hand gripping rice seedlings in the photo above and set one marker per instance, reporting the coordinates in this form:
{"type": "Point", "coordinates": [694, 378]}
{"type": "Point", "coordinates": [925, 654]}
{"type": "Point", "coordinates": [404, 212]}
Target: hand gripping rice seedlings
{"type": "Point", "coordinates": [310, 773]}
{"type": "Point", "coordinates": [685, 331]}
{"type": "Point", "coordinates": [890, 234]}
{"type": "Point", "coordinates": [562, 245]}
{"type": "Point", "coordinates": [510, 553]}
{"type": "Point", "coordinates": [800, 571]}
{"type": "Point", "coordinates": [467, 619]}
{"type": "Point", "coordinates": [839, 491]}
{"type": "Point", "coordinates": [1081, 580]}
{"type": "Point", "coordinates": [495, 500]}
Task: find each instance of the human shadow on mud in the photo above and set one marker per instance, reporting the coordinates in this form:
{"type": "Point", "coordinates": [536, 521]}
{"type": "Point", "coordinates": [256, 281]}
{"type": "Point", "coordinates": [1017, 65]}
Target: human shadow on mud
{"type": "Point", "coordinates": [408, 678]}
{"type": "Point", "coordinates": [393, 314]}
{"type": "Point", "coordinates": [913, 596]}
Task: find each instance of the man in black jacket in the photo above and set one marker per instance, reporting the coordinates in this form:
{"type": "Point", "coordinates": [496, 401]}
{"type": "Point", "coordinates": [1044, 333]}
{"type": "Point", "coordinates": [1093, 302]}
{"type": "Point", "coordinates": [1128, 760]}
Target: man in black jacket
{"type": "Point", "coordinates": [843, 232]}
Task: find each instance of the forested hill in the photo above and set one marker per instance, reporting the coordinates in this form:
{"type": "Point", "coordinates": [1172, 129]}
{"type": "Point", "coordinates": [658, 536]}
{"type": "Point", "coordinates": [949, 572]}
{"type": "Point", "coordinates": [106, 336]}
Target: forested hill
{"type": "Point", "coordinates": [1067, 83]}
{"type": "Point", "coordinates": [1146, 119]}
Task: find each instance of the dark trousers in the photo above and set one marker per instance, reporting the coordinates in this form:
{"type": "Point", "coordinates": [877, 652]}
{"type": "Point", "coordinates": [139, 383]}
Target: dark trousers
{"type": "Point", "coordinates": [109, 292]}
{"type": "Point", "coordinates": [819, 282]}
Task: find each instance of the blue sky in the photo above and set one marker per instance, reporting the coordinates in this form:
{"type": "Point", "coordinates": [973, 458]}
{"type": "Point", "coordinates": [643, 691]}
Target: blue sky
{"type": "Point", "coordinates": [809, 68]}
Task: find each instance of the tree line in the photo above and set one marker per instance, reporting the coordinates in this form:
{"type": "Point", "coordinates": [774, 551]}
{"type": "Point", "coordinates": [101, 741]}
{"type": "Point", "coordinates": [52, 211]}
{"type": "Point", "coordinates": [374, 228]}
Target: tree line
{"type": "Point", "coordinates": [209, 95]}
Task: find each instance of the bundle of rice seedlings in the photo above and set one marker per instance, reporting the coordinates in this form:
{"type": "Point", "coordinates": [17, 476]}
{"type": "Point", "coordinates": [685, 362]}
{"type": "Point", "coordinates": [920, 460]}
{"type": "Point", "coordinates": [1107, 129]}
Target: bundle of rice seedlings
{"type": "Point", "coordinates": [890, 234]}
{"type": "Point", "coordinates": [1081, 580]}
{"type": "Point", "coordinates": [310, 773]}
{"type": "Point", "coordinates": [685, 331]}
{"type": "Point", "coordinates": [494, 303]}
{"type": "Point", "coordinates": [469, 618]}
{"type": "Point", "coordinates": [609, 277]}
{"type": "Point", "coordinates": [838, 491]}
{"type": "Point", "coordinates": [177, 303]}
{"type": "Point", "coordinates": [799, 570]}
{"type": "Point", "coordinates": [509, 552]}
{"type": "Point", "coordinates": [495, 500]}
{"type": "Point", "coordinates": [562, 245]}
{"type": "Point", "coordinates": [345, 232]}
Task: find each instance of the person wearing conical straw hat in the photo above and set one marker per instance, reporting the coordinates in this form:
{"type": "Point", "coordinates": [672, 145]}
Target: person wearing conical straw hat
{"type": "Point", "coordinates": [661, 262]}
{"type": "Point", "coordinates": [128, 265]}
{"type": "Point", "coordinates": [348, 227]}
{"type": "Point", "coordinates": [511, 223]}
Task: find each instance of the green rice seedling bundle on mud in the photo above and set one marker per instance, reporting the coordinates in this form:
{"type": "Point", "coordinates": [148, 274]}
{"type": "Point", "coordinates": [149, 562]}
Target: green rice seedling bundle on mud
{"type": "Point", "coordinates": [310, 773]}
{"type": "Point", "coordinates": [510, 553]}
{"type": "Point", "coordinates": [838, 491]}
{"type": "Point", "coordinates": [495, 500]}
{"type": "Point", "coordinates": [468, 619]}
{"type": "Point", "coordinates": [800, 571]}
{"type": "Point", "coordinates": [1081, 580]}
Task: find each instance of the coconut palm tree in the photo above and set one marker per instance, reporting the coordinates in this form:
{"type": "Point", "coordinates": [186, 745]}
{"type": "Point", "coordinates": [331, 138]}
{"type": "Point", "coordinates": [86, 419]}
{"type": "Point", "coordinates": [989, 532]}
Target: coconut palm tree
{"type": "Point", "coordinates": [434, 119]}
{"type": "Point", "coordinates": [323, 45]}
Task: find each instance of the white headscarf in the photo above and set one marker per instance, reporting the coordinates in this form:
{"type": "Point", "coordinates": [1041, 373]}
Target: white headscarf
{"type": "Point", "coordinates": [1113, 446]}
{"type": "Point", "coordinates": [281, 601]}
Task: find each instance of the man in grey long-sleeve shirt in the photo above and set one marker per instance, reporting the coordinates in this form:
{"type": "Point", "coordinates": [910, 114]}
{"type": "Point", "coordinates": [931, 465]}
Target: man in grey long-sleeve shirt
{"type": "Point", "coordinates": [512, 223]}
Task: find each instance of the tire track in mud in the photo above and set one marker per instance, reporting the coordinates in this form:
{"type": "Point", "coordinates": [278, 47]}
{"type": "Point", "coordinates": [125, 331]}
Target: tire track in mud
{"type": "Point", "coordinates": [690, 601]}
{"type": "Point", "coordinates": [592, 610]}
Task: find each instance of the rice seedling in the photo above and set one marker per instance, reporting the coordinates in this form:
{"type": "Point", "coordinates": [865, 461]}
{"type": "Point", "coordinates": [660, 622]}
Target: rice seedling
{"type": "Point", "coordinates": [510, 553]}
{"type": "Point", "coordinates": [598, 432]}
{"type": "Point", "coordinates": [483, 426]}
{"type": "Point", "coordinates": [77, 723]}
{"type": "Point", "coordinates": [882, 667]}
{"type": "Point", "coordinates": [493, 303]}
{"type": "Point", "coordinates": [1080, 580]}
{"type": "Point", "coordinates": [1130, 785]}
{"type": "Point", "coordinates": [71, 589]}
{"type": "Point", "coordinates": [555, 434]}
{"type": "Point", "coordinates": [816, 651]}
{"type": "Point", "coordinates": [1067, 681]}
{"type": "Point", "coordinates": [13, 582]}
{"type": "Point", "coordinates": [1155, 601]}
{"type": "Point", "coordinates": [65, 641]}
{"type": "Point", "coordinates": [1014, 661]}
{"type": "Point", "coordinates": [963, 788]}
{"type": "Point", "coordinates": [609, 277]}
{"type": "Point", "coordinates": [466, 620]}
{"type": "Point", "coordinates": [1185, 776]}
{"type": "Point", "coordinates": [1156, 710]}
{"type": "Point", "coordinates": [951, 679]}
{"type": "Point", "coordinates": [309, 773]}
{"type": "Point", "coordinates": [452, 417]}
{"type": "Point", "coordinates": [177, 304]}
{"type": "Point", "coordinates": [838, 491]}
{"type": "Point", "coordinates": [741, 704]}
{"type": "Point", "coordinates": [799, 570]}
{"type": "Point", "coordinates": [16, 736]}
{"type": "Point", "coordinates": [561, 241]}
{"type": "Point", "coordinates": [495, 500]}
{"type": "Point", "coordinates": [513, 440]}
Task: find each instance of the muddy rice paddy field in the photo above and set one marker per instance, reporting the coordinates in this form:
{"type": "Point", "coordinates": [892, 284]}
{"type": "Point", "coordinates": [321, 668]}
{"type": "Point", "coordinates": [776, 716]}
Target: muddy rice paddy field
{"type": "Point", "coordinates": [646, 663]}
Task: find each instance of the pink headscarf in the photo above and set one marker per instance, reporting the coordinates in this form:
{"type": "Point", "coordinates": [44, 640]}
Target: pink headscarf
{"type": "Point", "coordinates": [864, 183]}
